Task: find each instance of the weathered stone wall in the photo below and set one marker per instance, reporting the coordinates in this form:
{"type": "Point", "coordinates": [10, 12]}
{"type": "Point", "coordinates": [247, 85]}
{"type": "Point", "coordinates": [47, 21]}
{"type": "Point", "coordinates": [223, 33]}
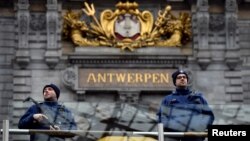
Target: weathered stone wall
{"type": "Point", "coordinates": [33, 54]}
{"type": "Point", "coordinates": [244, 42]}
{"type": "Point", "coordinates": [7, 49]}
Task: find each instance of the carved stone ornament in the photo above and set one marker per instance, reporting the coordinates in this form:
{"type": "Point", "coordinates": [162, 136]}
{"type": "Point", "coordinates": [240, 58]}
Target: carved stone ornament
{"type": "Point", "coordinates": [37, 21]}
{"type": "Point", "coordinates": [23, 20]}
{"type": "Point", "coordinates": [203, 63]}
{"type": "Point", "coordinates": [69, 77]}
{"type": "Point", "coordinates": [127, 27]}
{"type": "Point", "coordinates": [217, 22]}
{"type": "Point", "coordinates": [232, 63]}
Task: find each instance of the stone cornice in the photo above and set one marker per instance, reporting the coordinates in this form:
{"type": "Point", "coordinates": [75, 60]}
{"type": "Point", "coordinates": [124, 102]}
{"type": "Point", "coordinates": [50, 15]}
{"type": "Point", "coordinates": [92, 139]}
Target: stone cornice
{"type": "Point", "coordinates": [145, 56]}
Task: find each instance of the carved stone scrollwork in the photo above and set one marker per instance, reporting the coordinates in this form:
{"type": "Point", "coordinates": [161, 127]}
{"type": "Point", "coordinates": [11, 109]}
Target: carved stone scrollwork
{"type": "Point", "coordinates": [70, 80]}
{"type": "Point", "coordinates": [231, 5]}
{"type": "Point", "coordinates": [69, 77]}
{"type": "Point", "coordinates": [203, 24]}
{"type": "Point", "coordinates": [217, 22]}
{"type": "Point", "coordinates": [37, 21]}
{"type": "Point", "coordinates": [232, 24]}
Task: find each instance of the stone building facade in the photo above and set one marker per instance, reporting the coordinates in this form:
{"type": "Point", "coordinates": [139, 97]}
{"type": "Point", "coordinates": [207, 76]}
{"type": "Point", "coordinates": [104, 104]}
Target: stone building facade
{"type": "Point", "coordinates": [33, 53]}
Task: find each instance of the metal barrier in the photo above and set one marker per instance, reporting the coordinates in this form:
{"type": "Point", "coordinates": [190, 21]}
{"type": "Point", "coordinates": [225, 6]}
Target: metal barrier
{"type": "Point", "coordinates": [5, 130]}
{"type": "Point", "coordinates": [70, 133]}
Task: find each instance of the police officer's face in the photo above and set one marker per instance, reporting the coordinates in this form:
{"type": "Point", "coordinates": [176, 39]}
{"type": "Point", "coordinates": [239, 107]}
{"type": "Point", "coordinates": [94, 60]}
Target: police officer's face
{"type": "Point", "coordinates": [181, 80]}
{"type": "Point", "coordinates": [49, 94]}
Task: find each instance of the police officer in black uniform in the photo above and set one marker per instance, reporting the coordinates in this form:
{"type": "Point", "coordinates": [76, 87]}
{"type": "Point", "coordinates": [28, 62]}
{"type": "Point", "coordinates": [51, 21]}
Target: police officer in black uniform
{"type": "Point", "coordinates": [48, 115]}
{"type": "Point", "coordinates": [184, 110]}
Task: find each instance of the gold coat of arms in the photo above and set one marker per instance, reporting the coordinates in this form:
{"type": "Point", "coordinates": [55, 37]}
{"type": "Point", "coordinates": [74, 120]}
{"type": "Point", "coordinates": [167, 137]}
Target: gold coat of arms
{"type": "Point", "coordinates": [127, 27]}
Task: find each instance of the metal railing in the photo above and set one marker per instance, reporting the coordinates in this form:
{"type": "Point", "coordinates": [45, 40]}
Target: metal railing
{"type": "Point", "coordinates": [5, 131]}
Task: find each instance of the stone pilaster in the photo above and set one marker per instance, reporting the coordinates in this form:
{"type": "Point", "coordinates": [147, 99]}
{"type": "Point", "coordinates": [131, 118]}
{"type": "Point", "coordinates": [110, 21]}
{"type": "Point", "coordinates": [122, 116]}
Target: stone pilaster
{"type": "Point", "coordinates": [7, 45]}
{"type": "Point", "coordinates": [52, 55]}
{"type": "Point", "coordinates": [232, 47]}
{"type": "Point", "coordinates": [23, 20]}
{"type": "Point", "coordinates": [244, 41]}
{"type": "Point", "coordinates": [203, 52]}
{"type": "Point", "coordinates": [21, 90]}
{"type": "Point", "coordinates": [233, 87]}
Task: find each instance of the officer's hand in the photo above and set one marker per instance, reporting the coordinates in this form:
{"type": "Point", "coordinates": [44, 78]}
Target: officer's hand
{"type": "Point", "coordinates": [55, 127]}
{"type": "Point", "coordinates": [39, 117]}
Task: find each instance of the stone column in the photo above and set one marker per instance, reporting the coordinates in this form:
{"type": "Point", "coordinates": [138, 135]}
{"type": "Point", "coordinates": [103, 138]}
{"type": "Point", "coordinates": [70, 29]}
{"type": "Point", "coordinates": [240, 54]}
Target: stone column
{"type": "Point", "coordinates": [52, 51]}
{"type": "Point", "coordinates": [23, 20]}
{"type": "Point", "coordinates": [203, 52]}
{"type": "Point", "coordinates": [232, 46]}
{"type": "Point", "coordinates": [232, 57]}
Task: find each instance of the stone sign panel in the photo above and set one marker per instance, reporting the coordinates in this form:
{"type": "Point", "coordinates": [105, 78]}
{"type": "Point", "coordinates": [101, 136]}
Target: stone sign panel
{"type": "Point", "coordinates": [95, 78]}
{"type": "Point", "coordinates": [119, 78]}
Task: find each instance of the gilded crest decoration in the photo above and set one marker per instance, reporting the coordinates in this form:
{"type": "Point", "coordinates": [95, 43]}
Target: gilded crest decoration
{"type": "Point", "coordinates": [127, 27]}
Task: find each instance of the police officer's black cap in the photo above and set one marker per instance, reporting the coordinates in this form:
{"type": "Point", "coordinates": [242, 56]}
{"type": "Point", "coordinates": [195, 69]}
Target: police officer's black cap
{"type": "Point", "coordinates": [176, 73]}
{"type": "Point", "coordinates": [54, 87]}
